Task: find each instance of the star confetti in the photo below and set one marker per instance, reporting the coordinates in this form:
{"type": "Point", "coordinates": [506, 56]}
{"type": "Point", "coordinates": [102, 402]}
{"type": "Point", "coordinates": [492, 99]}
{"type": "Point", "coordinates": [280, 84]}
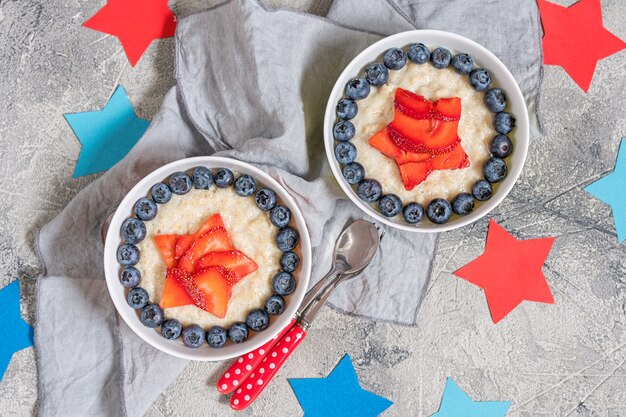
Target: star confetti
{"type": "Point", "coordinates": [456, 403]}
{"type": "Point", "coordinates": [136, 23]}
{"type": "Point", "coordinates": [338, 395]}
{"type": "Point", "coordinates": [575, 38]}
{"type": "Point", "coordinates": [16, 333]}
{"type": "Point", "coordinates": [610, 189]}
{"type": "Point", "coordinates": [106, 135]}
{"type": "Point", "coordinates": [509, 271]}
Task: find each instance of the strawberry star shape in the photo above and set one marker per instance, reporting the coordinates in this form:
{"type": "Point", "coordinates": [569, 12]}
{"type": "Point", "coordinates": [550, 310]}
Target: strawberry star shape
{"type": "Point", "coordinates": [202, 267]}
{"type": "Point", "coordinates": [422, 137]}
{"type": "Point", "coordinates": [509, 271]}
{"type": "Point", "coordinates": [136, 23]}
{"type": "Point", "coordinates": [575, 38]}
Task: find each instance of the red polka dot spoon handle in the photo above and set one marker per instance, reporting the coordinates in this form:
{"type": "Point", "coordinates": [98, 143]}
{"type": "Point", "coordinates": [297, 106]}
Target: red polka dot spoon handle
{"type": "Point", "coordinates": [265, 371]}
{"type": "Point", "coordinates": [244, 366]}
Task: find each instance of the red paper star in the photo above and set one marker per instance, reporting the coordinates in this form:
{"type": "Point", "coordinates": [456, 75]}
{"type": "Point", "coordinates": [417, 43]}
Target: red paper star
{"type": "Point", "coordinates": [136, 23]}
{"type": "Point", "coordinates": [575, 39]}
{"type": "Point", "coordinates": [509, 271]}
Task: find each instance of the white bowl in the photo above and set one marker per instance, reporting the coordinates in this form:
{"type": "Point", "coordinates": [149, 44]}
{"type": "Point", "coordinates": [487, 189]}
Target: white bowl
{"type": "Point", "coordinates": [176, 347]}
{"type": "Point", "coordinates": [482, 58]}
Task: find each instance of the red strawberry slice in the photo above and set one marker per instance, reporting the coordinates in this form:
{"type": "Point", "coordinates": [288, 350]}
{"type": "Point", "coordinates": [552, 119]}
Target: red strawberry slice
{"type": "Point", "coordinates": [210, 223]}
{"type": "Point", "coordinates": [385, 144]}
{"type": "Point", "coordinates": [409, 145]}
{"type": "Point", "coordinates": [183, 244]}
{"type": "Point", "coordinates": [215, 240]}
{"type": "Point", "coordinates": [412, 105]}
{"type": "Point", "coordinates": [214, 283]}
{"type": "Point", "coordinates": [414, 173]}
{"type": "Point", "coordinates": [174, 293]}
{"type": "Point", "coordinates": [186, 281]}
{"type": "Point", "coordinates": [166, 245]}
{"type": "Point", "coordinates": [455, 159]}
{"type": "Point", "coordinates": [448, 109]}
{"type": "Point", "coordinates": [234, 261]}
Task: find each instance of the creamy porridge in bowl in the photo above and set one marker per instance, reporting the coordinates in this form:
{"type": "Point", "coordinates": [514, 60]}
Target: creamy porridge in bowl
{"type": "Point", "coordinates": [426, 131]}
{"type": "Point", "coordinates": [207, 258]}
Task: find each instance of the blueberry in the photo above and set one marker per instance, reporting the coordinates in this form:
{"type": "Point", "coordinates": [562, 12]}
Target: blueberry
{"type": "Point", "coordinates": [413, 213]}
{"type": "Point", "coordinates": [280, 216]}
{"type": "Point", "coordinates": [439, 211]}
{"type": "Point", "coordinates": [130, 277]}
{"type": "Point", "coordinates": [346, 108]}
{"type": "Point", "coordinates": [494, 170]}
{"type": "Point", "coordinates": [202, 178]}
{"type": "Point", "coordinates": [275, 305]}
{"type": "Point", "coordinates": [216, 336]}
{"type": "Point", "coordinates": [390, 205]}
{"type": "Point", "coordinates": [501, 146]}
{"type": "Point", "coordinates": [193, 336]}
{"type": "Point", "coordinates": [440, 58]}
{"type": "Point", "coordinates": [128, 255]}
{"type": "Point", "coordinates": [419, 53]}
{"type": "Point", "coordinates": [224, 177]}
{"type": "Point", "coordinates": [145, 209]}
{"type": "Point", "coordinates": [137, 298]}
{"type": "Point", "coordinates": [161, 193]}
{"type": "Point", "coordinates": [462, 63]}
{"type": "Point", "coordinates": [289, 262]}
{"type": "Point", "coordinates": [180, 183]}
{"type": "Point", "coordinates": [345, 152]}
{"type": "Point", "coordinates": [504, 122]}
{"type": "Point", "coordinates": [343, 130]}
{"type": "Point", "coordinates": [394, 58]}
{"type": "Point", "coordinates": [495, 100]}
{"type": "Point", "coordinates": [353, 172]}
{"type": "Point", "coordinates": [369, 191]}
{"type": "Point", "coordinates": [287, 239]}
{"type": "Point", "coordinates": [463, 204]}
{"type": "Point", "coordinates": [283, 283]}
{"type": "Point", "coordinates": [376, 74]}
{"type": "Point", "coordinates": [133, 230]}
{"type": "Point", "coordinates": [258, 320]}
{"type": "Point", "coordinates": [357, 89]}
{"type": "Point", "coordinates": [480, 79]}
{"type": "Point", "coordinates": [481, 190]}
{"type": "Point", "coordinates": [245, 185]}
{"type": "Point", "coordinates": [171, 329]}
{"type": "Point", "coordinates": [151, 316]}
{"type": "Point", "coordinates": [265, 199]}
{"type": "Point", "coordinates": [238, 332]}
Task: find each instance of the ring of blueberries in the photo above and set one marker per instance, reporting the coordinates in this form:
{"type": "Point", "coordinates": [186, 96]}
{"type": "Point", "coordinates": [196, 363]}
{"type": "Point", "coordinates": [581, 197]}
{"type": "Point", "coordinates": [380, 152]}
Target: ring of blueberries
{"type": "Point", "coordinates": [133, 231]}
{"type": "Point", "coordinates": [369, 190]}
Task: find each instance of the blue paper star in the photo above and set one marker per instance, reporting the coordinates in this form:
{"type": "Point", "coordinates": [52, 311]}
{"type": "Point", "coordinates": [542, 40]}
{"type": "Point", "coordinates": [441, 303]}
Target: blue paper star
{"type": "Point", "coordinates": [106, 135]}
{"type": "Point", "coordinates": [338, 395]}
{"type": "Point", "coordinates": [610, 189]}
{"type": "Point", "coordinates": [16, 333]}
{"type": "Point", "coordinates": [456, 403]}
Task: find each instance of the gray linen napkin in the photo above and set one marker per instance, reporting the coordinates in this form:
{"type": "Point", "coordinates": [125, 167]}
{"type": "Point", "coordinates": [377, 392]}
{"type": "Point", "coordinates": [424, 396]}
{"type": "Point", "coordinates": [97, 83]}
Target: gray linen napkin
{"type": "Point", "coordinates": [251, 84]}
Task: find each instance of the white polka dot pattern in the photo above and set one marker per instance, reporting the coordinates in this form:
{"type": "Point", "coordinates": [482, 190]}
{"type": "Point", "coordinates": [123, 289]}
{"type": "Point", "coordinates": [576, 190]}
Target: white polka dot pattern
{"type": "Point", "coordinates": [243, 366]}
{"type": "Point", "coordinates": [271, 363]}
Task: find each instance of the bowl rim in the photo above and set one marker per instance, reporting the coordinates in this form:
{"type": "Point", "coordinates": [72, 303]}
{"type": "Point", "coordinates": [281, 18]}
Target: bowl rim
{"type": "Point", "coordinates": [117, 291]}
{"type": "Point", "coordinates": [495, 67]}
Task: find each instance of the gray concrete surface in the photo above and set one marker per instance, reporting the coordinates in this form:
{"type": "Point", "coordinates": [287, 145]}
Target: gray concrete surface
{"type": "Point", "coordinates": [566, 359]}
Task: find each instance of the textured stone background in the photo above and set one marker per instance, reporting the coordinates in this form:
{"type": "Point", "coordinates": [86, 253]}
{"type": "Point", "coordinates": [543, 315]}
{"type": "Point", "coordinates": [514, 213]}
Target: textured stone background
{"type": "Point", "coordinates": [566, 359]}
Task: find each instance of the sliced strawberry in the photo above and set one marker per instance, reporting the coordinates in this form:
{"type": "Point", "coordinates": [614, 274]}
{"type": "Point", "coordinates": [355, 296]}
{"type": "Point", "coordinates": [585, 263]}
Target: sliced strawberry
{"type": "Point", "coordinates": [455, 159]}
{"type": "Point", "coordinates": [413, 173]}
{"type": "Point", "coordinates": [210, 223]}
{"type": "Point", "coordinates": [167, 247]}
{"type": "Point", "coordinates": [411, 127]}
{"type": "Point", "coordinates": [235, 261]}
{"type": "Point", "coordinates": [214, 283]}
{"type": "Point", "coordinates": [215, 240]}
{"type": "Point", "coordinates": [412, 105]}
{"type": "Point", "coordinates": [186, 281]}
{"type": "Point", "coordinates": [383, 143]}
{"type": "Point", "coordinates": [409, 145]}
{"type": "Point", "coordinates": [174, 293]}
{"type": "Point", "coordinates": [183, 244]}
{"type": "Point", "coordinates": [448, 109]}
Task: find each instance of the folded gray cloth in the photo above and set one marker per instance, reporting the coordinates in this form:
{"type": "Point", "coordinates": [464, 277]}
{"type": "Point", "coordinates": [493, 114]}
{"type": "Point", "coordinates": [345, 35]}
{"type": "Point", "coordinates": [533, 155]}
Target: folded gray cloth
{"type": "Point", "coordinates": [251, 84]}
